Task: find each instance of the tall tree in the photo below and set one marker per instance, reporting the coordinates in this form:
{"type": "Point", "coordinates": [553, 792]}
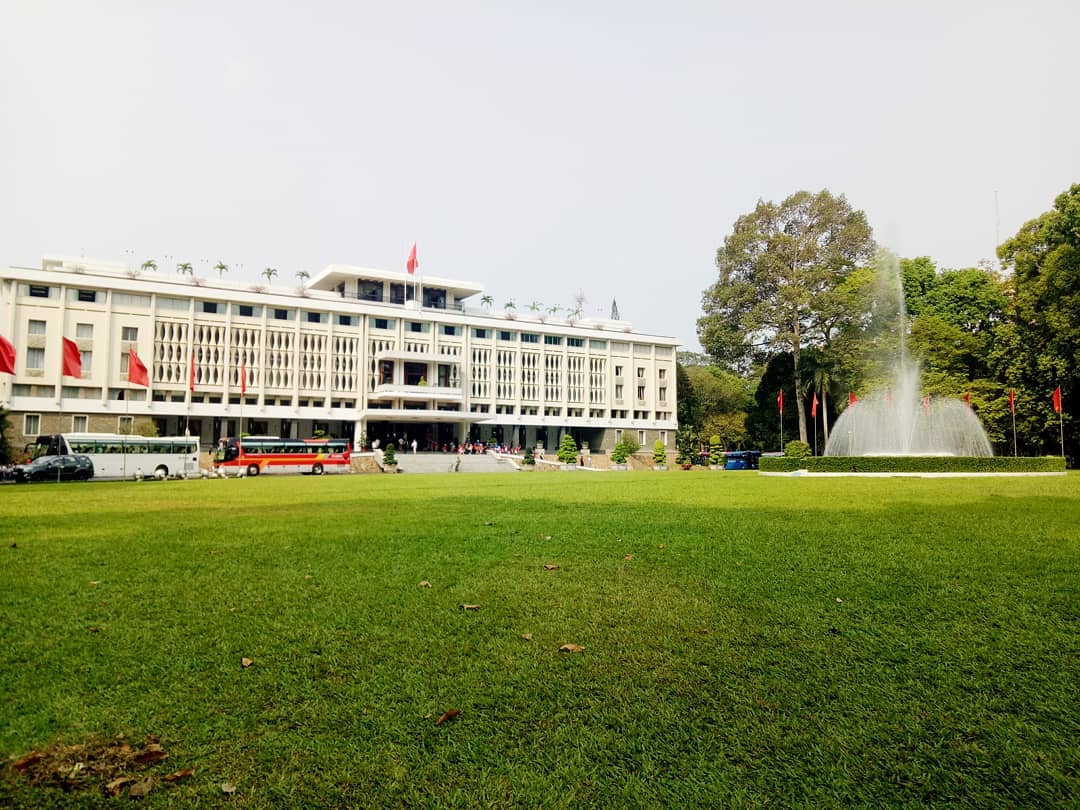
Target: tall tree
{"type": "Point", "coordinates": [781, 285]}
{"type": "Point", "coordinates": [221, 268]}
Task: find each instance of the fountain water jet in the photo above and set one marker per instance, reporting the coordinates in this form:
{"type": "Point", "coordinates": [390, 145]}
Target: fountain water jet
{"type": "Point", "coordinates": [898, 421]}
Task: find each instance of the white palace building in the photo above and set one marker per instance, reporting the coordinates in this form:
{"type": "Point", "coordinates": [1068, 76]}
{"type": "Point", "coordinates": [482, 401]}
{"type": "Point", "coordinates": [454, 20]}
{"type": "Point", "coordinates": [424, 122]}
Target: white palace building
{"type": "Point", "coordinates": [355, 353]}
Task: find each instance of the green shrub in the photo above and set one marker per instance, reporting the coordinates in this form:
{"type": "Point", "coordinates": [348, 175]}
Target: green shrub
{"type": "Point", "coordinates": [389, 456]}
{"type": "Point", "coordinates": [716, 452]}
{"type": "Point", "coordinates": [630, 443]}
{"type": "Point", "coordinates": [659, 453]}
{"type": "Point", "coordinates": [528, 459]}
{"type": "Point", "coordinates": [797, 449]}
{"type": "Point", "coordinates": [568, 450]}
{"type": "Point", "coordinates": [914, 464]}
{"type": "Point", "coordinates": [619, 454]}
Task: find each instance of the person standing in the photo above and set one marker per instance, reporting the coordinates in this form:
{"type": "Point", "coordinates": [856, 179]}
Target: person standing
{"type": "Point", "coordinates": [414, 446]}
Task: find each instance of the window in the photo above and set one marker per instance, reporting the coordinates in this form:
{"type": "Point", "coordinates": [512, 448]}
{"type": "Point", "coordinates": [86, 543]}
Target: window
{"type": "Point", "coordinates": [641, 372]}
{"type": "Point", "coordinates": [31, 424]}
{"type": "Point", "coordinates": [124, 425]}
{"type": "Point", "coordinates": [662, 373]}
{"type": "Point", "coordinates": [641, 437]}
{"type": "Point", "coordinates": [35, 358]}
{"type": "Point", "coordinates": [481, 334]}
{"type": "Point", "coordinates": [38, 291]}
{"type": "Point", "coordinates": [87, 360]}
{"type": "Point", "coordinates": [416, 326]}
{"type": "Point", "coordinates": [383, 323]}
{"type": "Point", "coordinates": [84, 330]}
{"type": "Point", "coordinates": [89, 296]}
{"type": "Point", "coordinates": [210, 307]}
{"type": "Point", "coordinates": [245, 310]}
{"type": "Point", "coordinates": [314, 317]}
{"type": "Point", "coordinates": [641, 392]}
{"type": "Point", "coordinates": [125, 362]}
{"type": "Point", "coordinates": [526, 337]}
{"type": "Point", "coordinates": [662, 393]}
{"type": "Point", "coordinates": [369, 290]}
{"type": "Point", "coordinates": [344, 320]}
{"type": "Point", "coordinates": [504, 335]}
{"type": "Point", "coordinates": [618, 390]}
{"type": "Point", "coordinates": [129, 333]}
{"type": "Point", "coordinates": [618, 371]}
{"type": "Point", "coordinates": [35, 328]}
{"type": "Point", "coordinates": [552, 340]}
{"type": "Point", "coordinates": [577, 343]}
{"type": "Point", "coordinates": [79, 423]}
{"type": "Point", "coordinates": [597, 344]}
{"type": "Point", "coordinates": [281, 314]}
{"type": "Point", "coordinates": [451, 331]}
{"type": "Point", "coordinates": [618, 435]}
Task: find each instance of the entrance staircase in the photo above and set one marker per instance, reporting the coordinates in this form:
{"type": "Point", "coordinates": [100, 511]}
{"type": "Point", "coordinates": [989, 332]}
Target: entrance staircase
{"type": "Point", "coordinates": [445, 463]}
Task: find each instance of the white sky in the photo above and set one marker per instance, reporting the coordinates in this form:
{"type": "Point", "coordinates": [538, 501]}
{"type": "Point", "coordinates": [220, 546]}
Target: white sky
{"type": "Point", "coordinates": [536, 148]}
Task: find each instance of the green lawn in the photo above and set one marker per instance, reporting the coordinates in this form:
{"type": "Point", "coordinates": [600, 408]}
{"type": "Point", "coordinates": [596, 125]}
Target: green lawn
{"type": "Point", "coordinates": [747, 640]}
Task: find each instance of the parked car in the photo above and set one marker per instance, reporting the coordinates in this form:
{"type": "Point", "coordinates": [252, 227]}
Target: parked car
{"type": "Point", "coordinates": [54, 468]}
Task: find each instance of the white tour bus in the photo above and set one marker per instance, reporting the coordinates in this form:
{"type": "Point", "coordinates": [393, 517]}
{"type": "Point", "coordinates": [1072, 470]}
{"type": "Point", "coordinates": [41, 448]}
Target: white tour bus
{"type": "Point", "coordinates": [117, 456]}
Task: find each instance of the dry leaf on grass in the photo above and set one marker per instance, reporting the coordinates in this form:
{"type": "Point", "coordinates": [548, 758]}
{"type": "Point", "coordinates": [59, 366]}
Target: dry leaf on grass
{"type": "Point", "coordinates": [547, 536]}
{"type": "Point", "coordinates": [246, 662]}
{"type": "Point", "coordinates": [32, 758]}
{"type": "Point", "coordinates": [152, 753]}
{"type": "Point", "coordinates": [424, 584]}
{"type": "Point", "coordinates": [176, 777]}
{"type": "Point", "coordinates": [551, 568]}
{"type": "Point", "coordinates": [140, 789]}
{"type": "Point", "coordinates": [628, 557]}
{"type": "Point", "coordinates": [450, 715]}
{"type": "Point", "coordinates": [227, 788]}
{"type": "Point", "coordinates": [571, 648]}
{"type": "Point", "coordinates": [116, 785]}
{"type": "Point", "coordinates": [527, 636]}
{"type": "Point", "coordinates": [470, 607]}
{"type": "Point", "coordinates": [839, 601]}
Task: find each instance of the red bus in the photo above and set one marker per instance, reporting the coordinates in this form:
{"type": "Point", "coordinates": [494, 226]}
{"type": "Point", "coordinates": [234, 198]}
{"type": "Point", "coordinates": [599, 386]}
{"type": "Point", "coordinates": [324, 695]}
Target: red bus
{"type": "Point", "coordinates": [255, 455]}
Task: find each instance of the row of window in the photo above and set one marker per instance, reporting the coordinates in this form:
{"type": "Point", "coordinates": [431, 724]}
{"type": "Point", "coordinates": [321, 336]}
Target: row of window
{"type": "Point", "coordinates": [79, 424]}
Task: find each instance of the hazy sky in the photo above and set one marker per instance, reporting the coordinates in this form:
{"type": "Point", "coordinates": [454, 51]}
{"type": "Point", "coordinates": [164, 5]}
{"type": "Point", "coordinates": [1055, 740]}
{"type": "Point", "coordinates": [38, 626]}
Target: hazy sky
{"type": "Point", "coordinates": [536, 148]}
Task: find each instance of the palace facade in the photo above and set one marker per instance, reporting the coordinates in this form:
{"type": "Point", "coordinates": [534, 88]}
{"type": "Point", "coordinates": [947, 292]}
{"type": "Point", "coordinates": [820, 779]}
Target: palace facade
{"type": "Point", "coordinates": [355, 353]}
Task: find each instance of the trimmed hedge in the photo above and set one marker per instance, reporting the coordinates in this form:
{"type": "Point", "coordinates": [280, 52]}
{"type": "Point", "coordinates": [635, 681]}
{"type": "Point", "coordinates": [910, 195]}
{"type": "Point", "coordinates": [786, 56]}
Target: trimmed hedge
{"type": "Point", "coordinates": [915, 464]}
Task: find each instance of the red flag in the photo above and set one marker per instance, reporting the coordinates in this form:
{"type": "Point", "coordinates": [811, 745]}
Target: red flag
{"type": "Point", "coordinates": [7, 356]}
{"type": "Point", "coordinates": [888, 396]}
{"type": "Point", "coordinates": [412, 263]}
{"type": "Point", "coordinates": [243, 376]}
{"type": "Point", "coordinates": [136, 370]}
{"type": "Point", "coordinates": [1057, 399]}
{"type": "Point", "coordinates": [72, 359]}
{"type": "Point", "coordinates": [967, 398]}
{"type": "Point", "coordinates": [780, 400]}
{"type": "Point", "coordinates": [926, 403]}
{"type": "Point", "coordinates": [813, 407]}
{"type": "Point", "coordinates": [191, 374]}
{"type": "Point", "coordinates": [851, 398]}
{"type": "Point", "coordinates": [1012, 401]}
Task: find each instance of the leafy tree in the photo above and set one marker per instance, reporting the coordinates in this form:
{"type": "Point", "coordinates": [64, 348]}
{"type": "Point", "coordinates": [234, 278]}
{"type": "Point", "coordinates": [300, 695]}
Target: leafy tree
{"type": "Point", "coordinates": [529, 459]}
{"type": "Point", "coordinates": [487, 301]}
{"type": "Point", "coordinates": [185, 269]}
{"type": "Point", "coordinates": [568, 450]}
{"type": "Point", "coordinates": [389, 454]}
{"type": "Point", "coordinates": [269, 274]}
{"type": "Point", "coordinates": [630, 443]}
{"type": "Point", "coordinates": [781, 285]}
{"type": "Point", "coordinates": [659, 453]}
{"type": "Point", "coordinates": [150, 265]}
{"type": "Point", "coordinates": [221, 268]}
{"type": "Point", "coordinates": [619, 453]}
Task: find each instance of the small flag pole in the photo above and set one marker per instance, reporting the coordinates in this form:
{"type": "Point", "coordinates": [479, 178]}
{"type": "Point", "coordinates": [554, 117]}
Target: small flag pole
{"type": "Point", "coordinates": [1012, 410]}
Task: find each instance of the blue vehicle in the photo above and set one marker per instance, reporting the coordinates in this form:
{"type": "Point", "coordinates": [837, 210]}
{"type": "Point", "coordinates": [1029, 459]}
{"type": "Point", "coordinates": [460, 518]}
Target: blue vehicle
{"type": "Point", "coordinates": [742, 460]}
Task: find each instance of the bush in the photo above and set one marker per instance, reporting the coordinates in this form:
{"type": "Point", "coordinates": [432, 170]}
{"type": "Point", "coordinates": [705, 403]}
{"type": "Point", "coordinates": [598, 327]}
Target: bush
{"type": "Point", "coordinates": [796, 449]}
{"type": "Point", "coordinates": [716, 452]}
{"type": "Point", "coordinates": [630, 443]}
{"type": "Point", "coordinates": [619, 454]}
{"type": "Point", "coordinates": [389, 456]}
{"type": "Point", "coordinates": [567, 450]}
{"type": "Point", "coordinates": [913, 464]}
{"type": "Point", "coordinates": [659, 453]}
{"type": "Point", "coordinates": [528, 459]}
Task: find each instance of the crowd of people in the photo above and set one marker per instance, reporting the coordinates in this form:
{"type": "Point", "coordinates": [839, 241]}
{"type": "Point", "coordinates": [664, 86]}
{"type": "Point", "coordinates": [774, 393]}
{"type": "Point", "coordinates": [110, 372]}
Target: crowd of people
{"type": "Point", "coordinates": [404, 443]}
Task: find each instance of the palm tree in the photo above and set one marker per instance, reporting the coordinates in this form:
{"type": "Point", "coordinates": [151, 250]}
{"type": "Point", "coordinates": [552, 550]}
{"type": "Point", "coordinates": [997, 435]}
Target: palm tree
{"type": "Point", "coordinates": [552, 310]}
{"type": "Point", "coordinates": [303, 275]}
{"type": "Point", "coordinates": [535, 306]}
{"type": "Point", "coordinates": [221, 268]}
{"type": "Point", "coordinates": [150, 265]}
{"type": "Point", "coordinates": [510, 305]}
{"type": "Point", "coordinates": [269, 272]}
{"type": "Point", "coordinates": [487, 301]}
{"type": "Point", "coordinates": [185, 268]}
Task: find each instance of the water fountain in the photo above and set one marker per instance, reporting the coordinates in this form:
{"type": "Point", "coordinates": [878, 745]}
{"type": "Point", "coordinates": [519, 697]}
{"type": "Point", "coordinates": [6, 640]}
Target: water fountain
{"type": "Point", "coordinates": [897, 421]}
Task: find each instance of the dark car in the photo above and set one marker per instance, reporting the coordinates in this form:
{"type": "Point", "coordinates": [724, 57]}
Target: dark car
{"type": "Point", "coordinates": [54, 468]}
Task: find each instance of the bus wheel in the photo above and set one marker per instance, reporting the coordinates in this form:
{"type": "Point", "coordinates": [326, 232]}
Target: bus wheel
{"type": "Point", "coordinates": [317, 469]}
{"type": "Point", "coordinates": [161, 473]}
{"type": "Point", "coordinates": [253, 470]}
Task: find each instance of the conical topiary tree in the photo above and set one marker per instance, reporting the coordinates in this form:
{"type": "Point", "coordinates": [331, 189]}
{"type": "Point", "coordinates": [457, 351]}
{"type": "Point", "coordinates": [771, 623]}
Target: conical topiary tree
{"type": "Point", "coordinates": [528, 459]}
{"type": "Point", "coordinates": [389, 456]}
{"type": "Point", "coordinates": [568, 449]}
{"type": "Point", "coordinates": [716, 451]}
{"type": "Point", "coordinates": [659, 454]}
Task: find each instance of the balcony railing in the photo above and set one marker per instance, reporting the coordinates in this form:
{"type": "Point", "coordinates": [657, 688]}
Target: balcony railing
{"type": "Point", "coordinates": [434, 393]}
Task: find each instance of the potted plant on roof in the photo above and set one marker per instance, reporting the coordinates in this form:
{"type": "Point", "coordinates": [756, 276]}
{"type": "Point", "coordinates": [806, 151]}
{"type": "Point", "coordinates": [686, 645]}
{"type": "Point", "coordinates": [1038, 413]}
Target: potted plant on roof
{"type": "Point", "coordinates": [389, 459]}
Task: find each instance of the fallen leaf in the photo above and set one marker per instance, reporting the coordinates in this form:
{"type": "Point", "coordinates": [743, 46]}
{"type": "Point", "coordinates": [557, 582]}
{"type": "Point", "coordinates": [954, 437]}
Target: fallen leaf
{"type": "Point", "coordinates": [424, 584]}
{"type": "Point", "coordinates": [176, 777]}
{"type": "Point", "coordinates": [661, 545]}
{"type": "Point", "coordinates": [246, 662]}
{"type": "Point", "coordinates": [470, 607]}
{"type": "Point", "coordinates": [628, 557]}
{"type": "Point", "coordinates": [489, 523]}
{"type": "Point", "coordinates": [571, 648]}
{"type": "Point", "coordinates": [151, 754]}
{"type": "Point", "coordinates": [140, 789]}
{"type": "Point", "coordinates": [450, 715]}
{"type": "Point", "coordinates": [95, 582]}
{"type": "Point", "coordinates": [547, 536]}
{"type": "Point", "coordinates": [227, 788]}
{"type": "Point", "coordinates": [94, 629]}
{"type": "Point", "coordinates": [839, 601]}
{"type": "Point", "coordinates": [527, 636]}
{"type": "Point", "coordinates": [116, 785]}
{"type": "Point", "coordinates": [551, 568]}
{"type": "Point", "coordinates": [30, 759]}
{"type": "Point", "coordinates": [308, 576]}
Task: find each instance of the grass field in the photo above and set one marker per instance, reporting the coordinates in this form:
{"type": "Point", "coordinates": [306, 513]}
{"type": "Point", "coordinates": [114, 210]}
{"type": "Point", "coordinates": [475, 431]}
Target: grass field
{"type": "Point", "coordinates": [747, 641]}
